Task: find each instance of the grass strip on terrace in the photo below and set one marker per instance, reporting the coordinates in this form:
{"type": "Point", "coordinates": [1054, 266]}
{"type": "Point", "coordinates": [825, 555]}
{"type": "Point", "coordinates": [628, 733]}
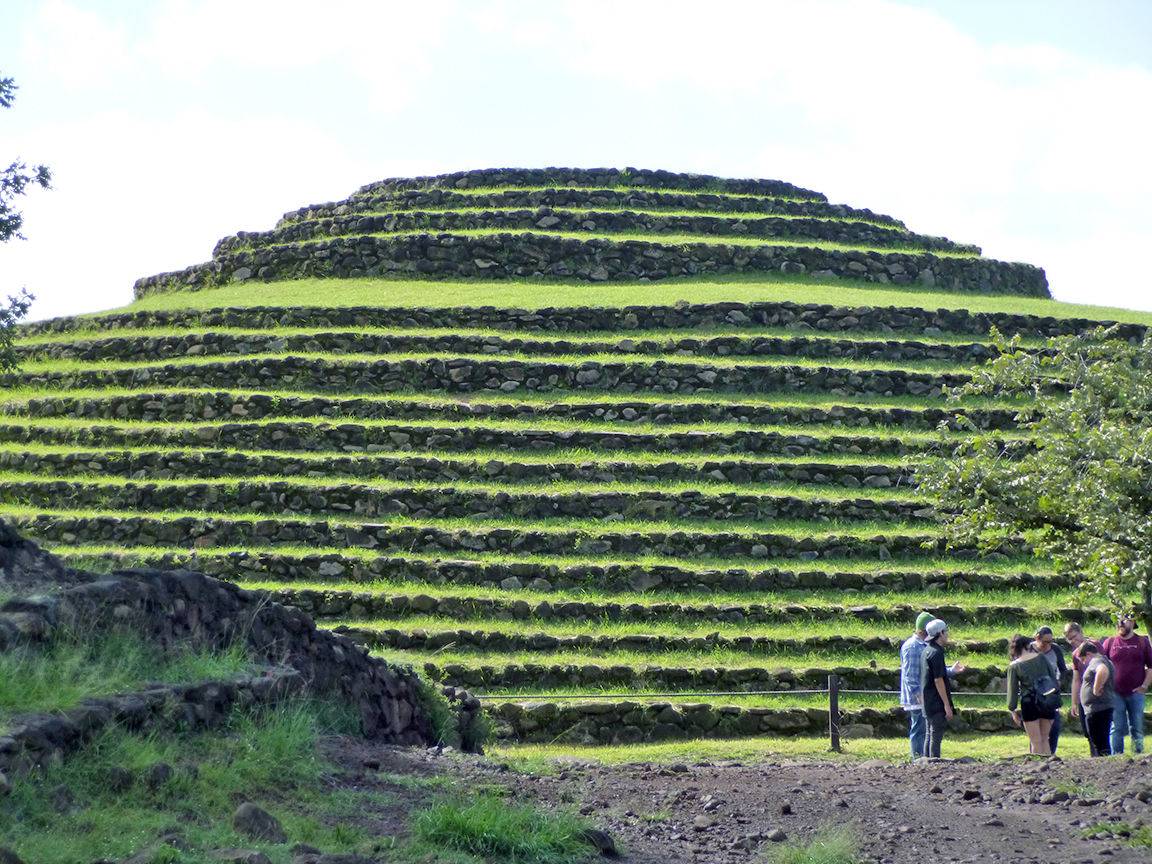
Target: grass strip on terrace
{"type": "Point", "coordinates": [837, 364]}
{"type": "Point", "coordinates": [364, 204]}
{"type": "Point", "coordinates": [830, 530]}
{"type": "Point", "coordinates": [534, 400]}
{"type": "Point", "coordinates": [651, 237]}
{"type": "Point", "coordinates": [1001, 565]}
{"type": "Point", "coordinates": [647, 209]}
{"type": "Point", "coordinates": [715, 657]}
{"type": "Point", "coordinates": [722, 227]}
{"type": "Point", "coordinates": [815, 493]}
{"type": "Point", "coordinates": [540, 294]}
{"type": "Point", "coordinates": [1040, 605]}
{"type": "Point", "coordinates": [621, 428]}
{"type": "Point", "coordinates": [574, 456]}
{"type": "Point", "coordinates": [552, 758]}
{"type": "Point", "coordinates": [714, 189]}
{"type": "Point", "coordinates": [799, 628]}
{"type": "Point", "coordinates": [584, 695]}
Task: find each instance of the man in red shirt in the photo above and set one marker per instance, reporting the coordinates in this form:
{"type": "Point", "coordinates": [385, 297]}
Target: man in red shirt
{"type": "Point", "coordinates": [1132, 657]}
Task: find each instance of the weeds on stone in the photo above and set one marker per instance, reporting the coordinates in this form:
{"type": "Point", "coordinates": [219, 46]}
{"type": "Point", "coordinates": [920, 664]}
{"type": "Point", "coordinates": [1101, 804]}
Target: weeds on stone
{"type": "Point", "coordinates": [109, 801]}
{"type": "Point", "coordinates": [73, 666]}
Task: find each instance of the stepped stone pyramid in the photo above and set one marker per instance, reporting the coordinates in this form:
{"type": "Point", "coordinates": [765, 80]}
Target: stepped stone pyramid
{"type": "Point", "coordinates": [595, 225]}
{"type": "Point", "coordinates": [685, 497]}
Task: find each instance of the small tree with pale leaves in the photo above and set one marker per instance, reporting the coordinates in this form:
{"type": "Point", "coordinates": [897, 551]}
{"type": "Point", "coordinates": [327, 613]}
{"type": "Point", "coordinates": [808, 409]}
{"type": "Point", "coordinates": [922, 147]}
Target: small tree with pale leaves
{"type": "Point", "coordinates": [1080, 489]}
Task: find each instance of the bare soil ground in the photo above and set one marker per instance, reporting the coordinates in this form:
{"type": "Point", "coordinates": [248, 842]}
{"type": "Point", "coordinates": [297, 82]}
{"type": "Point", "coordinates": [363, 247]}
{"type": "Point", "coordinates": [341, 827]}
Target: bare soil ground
{"type": "Point", "coordinates": [1023, 811]}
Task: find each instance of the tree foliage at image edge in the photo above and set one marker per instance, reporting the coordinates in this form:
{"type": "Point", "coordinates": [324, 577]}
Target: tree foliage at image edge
{"type": "Point", "coordinates": [14, 182]}
{"type": "Point", "coordinates": [1082, 492]}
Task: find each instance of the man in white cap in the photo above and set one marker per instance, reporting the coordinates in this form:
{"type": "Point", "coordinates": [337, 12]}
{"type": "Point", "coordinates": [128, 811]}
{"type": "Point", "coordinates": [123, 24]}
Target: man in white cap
{"type": "Point", "coordinates": [937, 696]}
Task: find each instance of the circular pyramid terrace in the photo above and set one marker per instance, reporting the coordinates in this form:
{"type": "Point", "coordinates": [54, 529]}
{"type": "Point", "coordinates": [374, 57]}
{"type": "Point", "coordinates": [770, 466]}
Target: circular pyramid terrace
{"type": "Point", "coordinates": [598, 225]}
{"type": "Point", "coordinates": [608, 500]}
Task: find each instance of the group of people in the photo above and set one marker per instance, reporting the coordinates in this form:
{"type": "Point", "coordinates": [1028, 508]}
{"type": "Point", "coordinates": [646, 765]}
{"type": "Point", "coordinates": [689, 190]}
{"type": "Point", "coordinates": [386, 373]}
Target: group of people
{"type": "Point", "coordinates": [1108, 683]}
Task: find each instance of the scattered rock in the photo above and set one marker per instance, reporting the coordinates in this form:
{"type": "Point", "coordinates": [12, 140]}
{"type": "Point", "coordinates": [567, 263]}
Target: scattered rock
{"type": "Point", "coordinates": [157, 775]}
{"type": "Point", "coordinates": [119, 779]}
{"type": "Point", "coordinates": [7, 856]}
{"type": "Point", "coordinates": [258, 824]}
{"type": "Point", "coordinates": [241, 856]}
{"type": "Point", "coordinates": [776, 835]}
{"type": "Point", "coordinates": [149, 854]}
{"type": "Point", "coordinates": [62, 799]}
{"type": "Point", "coordinates": [602, 841]}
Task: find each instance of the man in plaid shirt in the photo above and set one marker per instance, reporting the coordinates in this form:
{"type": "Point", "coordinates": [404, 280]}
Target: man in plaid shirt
{"type": "Point", "coordinates": [912, 684]}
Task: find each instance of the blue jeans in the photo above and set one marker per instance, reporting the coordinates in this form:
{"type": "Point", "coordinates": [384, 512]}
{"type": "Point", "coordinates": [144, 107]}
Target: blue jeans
{"type": "Point", "coordinates": [1054, 734]}
{"type": "Point", "coordinates": [1128, 715]}
{"type": "Point", "coordinates": [917, 732]}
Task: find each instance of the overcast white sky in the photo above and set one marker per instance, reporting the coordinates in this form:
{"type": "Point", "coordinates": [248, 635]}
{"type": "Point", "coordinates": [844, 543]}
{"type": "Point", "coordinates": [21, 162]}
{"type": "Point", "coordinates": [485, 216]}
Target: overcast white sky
{"type": "Point", "coordinates": [1021, 125]}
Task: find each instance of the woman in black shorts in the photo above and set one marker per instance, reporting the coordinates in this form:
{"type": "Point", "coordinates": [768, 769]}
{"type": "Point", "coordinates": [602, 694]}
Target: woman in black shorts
{"type": "Point", "coordinates": [1023, 672]}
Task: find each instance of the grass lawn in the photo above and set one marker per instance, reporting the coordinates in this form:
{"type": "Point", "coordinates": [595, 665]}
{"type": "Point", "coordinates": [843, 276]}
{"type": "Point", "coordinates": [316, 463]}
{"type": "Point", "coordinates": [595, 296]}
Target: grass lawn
{"type": "Point", "coordinates": [748, 288]}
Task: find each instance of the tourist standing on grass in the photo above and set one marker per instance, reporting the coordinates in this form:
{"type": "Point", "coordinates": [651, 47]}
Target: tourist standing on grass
{"type": "Point", "coordinates": [937, 690]}
{"type": "Point", "coordinates": [1026, 674]}
{"type": "Point", "coordinates": [1131, 657]}
{"type": "Point", "coordinates": [1074, 633]}
{"type": "Point", "coordinates": [1097, 696]}
{"type": "Point", "coordinates": [912, 683]}
{"type": "Point", "coordinates": [1045, 646]}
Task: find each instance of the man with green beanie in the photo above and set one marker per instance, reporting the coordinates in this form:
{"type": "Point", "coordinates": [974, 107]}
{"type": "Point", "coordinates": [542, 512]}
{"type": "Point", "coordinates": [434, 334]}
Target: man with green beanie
{"type": "Point", "coordinates": [912, 683]}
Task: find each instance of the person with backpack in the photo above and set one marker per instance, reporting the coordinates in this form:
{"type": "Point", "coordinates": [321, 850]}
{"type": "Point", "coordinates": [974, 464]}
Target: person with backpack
{"type": "Point", "coordinates": [1131, 655]}
{"type": "Point", "coordinates": [1097, 696]}
{"type": "Point", "coordinates": [1044, 644]}
{"type": "Point", "coordinates": [1033, 690]}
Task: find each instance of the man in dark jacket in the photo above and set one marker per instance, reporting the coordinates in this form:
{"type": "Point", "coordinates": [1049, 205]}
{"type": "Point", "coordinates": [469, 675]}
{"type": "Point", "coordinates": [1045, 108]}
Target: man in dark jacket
{"type": "Point", "coordinates": [937, 701]}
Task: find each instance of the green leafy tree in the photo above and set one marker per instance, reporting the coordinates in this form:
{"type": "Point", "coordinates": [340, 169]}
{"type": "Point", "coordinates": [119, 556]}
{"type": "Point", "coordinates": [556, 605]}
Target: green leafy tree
{"type": "Point", "coordinates": [17, 177]}
{"type": "Point", "coordinates": [1081, 491]}
{"type": "Point", "coordinates": [14, 182]}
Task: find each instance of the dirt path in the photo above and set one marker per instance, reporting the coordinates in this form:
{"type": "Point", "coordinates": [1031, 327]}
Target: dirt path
{"type": "Point", "coordinates": [1017, 811]}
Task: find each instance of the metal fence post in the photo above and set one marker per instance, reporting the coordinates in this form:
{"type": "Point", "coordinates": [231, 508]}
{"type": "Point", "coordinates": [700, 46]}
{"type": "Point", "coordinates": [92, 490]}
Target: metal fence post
{"type": "Point", "coordinates": [834, 712]}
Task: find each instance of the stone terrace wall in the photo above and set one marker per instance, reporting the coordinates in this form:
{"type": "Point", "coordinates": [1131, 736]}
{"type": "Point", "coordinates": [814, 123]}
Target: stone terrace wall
{"type": "Point", "coordinates": [183, 531]}
{"type": "Point", "coordinates": [188, 610]}
{"type": "Point", "coordinates": [191, 407]}
{"type": "Point", "coordinates": [637, 199]}
{"type": "Point", "coordinates": [37, 740]}
{"type": "Point", "coordinates": [606, 177]}
{"type": "Point", "coordinates": [806, 317]}
{"type": "Point", "coordinates": [580, 221]}
{"type": "Point", "coordinates": [541, 256]}
{"type": "Point", "coordinates": [464, 375]}
{"type": "Point", "coordinates": [630, 722]}
{"type": "Point", "coordinates": [514, 575]}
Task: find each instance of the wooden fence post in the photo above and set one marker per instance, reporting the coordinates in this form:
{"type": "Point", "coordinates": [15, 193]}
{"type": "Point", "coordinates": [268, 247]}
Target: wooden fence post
{"type": "Point", "coordinates": [834, 712]}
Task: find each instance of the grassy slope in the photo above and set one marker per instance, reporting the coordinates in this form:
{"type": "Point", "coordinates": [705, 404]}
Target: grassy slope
{"type": "Point", "coordinates": [747, 288]}
{"type": "Point", "coordinates": [533, 295]}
